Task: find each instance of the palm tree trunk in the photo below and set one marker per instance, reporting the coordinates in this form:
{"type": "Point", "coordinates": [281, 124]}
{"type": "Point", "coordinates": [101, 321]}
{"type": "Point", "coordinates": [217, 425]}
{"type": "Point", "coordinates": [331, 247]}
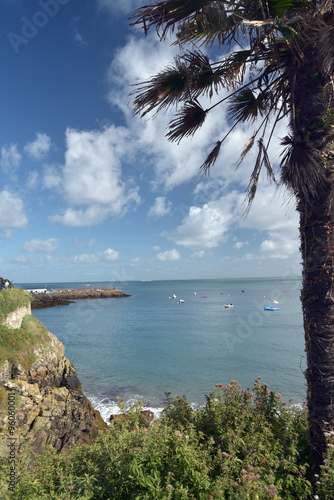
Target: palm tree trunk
{"type": "Point", "coordinates": [317, 247]}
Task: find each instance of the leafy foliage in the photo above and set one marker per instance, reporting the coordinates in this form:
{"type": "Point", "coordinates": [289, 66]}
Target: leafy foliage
{"type": "Point", "coordinates": [241, 444]}
{"type": "Point", "coordinates": [17, 346]}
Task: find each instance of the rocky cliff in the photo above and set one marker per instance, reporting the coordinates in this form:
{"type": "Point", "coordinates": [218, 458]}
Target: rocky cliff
{"type": "Point", "coordinates": [50, 407]}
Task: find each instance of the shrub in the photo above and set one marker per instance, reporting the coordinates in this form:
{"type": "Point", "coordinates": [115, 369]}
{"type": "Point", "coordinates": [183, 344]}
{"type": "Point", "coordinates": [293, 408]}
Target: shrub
{"type": "Point", "coordinates": [240, 445]}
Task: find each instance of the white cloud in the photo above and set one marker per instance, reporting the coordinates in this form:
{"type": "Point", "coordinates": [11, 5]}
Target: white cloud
{"type": "Point", "coordinates": [160, 207]}
{"type": "Point", "coordinates": [52, 177]}
{"type": "Point", "coordinates": [89, 258]}
{"type": "Point", "coordinates": [79, 38]}
{"type": "Point", "coordinates": [169, 256]}
{"type": "Point", "coordinates": [12, 213]}
{"type": "Point", "coordinates": [240, 244]}
{"type": "Point", "coordinates": [80, 218]}
{"type": "Point", "coordinates": [198, 255]}
{"type": "Point", "coordinates": [92, 177]}
{"type": "Point", "coordinates": [208, 226]}
{"type": "Point", "coordinates": [84, 244]}
{"type": "Point", "coordinates": [39, 148]}
{"type": "Point", "coordinates": [32, 181]}
{"type": "Point", "coordinates": [38, 245]}
{"type": "Point", "coordinates": [278, 246]}
{"type": "Point", "coordinates": [10, 157]}
{"type": "Point", "coordinates": [156, 248]}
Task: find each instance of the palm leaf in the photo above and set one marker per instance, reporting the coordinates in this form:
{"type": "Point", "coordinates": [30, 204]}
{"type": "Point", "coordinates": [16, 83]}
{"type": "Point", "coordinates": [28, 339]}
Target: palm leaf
{"type": "Point", "coordinates": [245, 106]}
{"type": "Point", "coordinates": [165, 89]}
{"type": "Point", "coordinates": [302, 169]}
{"type": "Point", "coordinates": [167, 13]}
{"type": "Point", "coordinates": [187, 121]}
{"type": "Point", "coordinates": [210, 159]}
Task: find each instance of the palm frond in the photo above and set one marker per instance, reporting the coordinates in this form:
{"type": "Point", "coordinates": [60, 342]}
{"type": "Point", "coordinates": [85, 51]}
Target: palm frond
{"type": "Point", "coordinates": [267, 162]}
{"type": "Point", "coordinates": [163, 90]}
{"type": "Point", "coordinates": [202, 79]}
{"type": "Point", "coordinates": [262, 159]}
{"type": "Point", "coordinates": [167, 14]}
{"type": "Point", "coordinates": [253, 182]}
{"type": "Point", "coordinates": [187, 121]}
{"type": "Point", "coordinates": [326, 48]}
{"type": "Point", "coordinates": [246, 106]}
{"type": "Point", "coordinates": [210, 159]}
{"type": "Point", "coordinates": [213, 23]}
{"type": "Point", "coordinates": [246, 149]}
{"type": "Point", "coordinates": [301, 169]}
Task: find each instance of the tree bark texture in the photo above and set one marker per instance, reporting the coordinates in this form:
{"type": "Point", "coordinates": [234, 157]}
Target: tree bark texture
{"type": "Point", "coordinates": [317, 246]}
{"type": "Point", "coordinates": [313, 119]}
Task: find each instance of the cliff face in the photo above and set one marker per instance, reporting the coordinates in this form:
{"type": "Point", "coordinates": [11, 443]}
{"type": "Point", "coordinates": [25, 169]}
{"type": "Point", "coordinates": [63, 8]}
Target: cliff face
{"type": "Point", "coordinates": [50, 407]}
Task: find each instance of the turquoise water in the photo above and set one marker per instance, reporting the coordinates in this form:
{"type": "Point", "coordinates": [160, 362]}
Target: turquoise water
{"type": "Point", "coordinates": [145, 345]}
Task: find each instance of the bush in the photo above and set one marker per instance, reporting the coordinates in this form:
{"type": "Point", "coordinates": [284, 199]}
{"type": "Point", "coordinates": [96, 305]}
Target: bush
{"type": "Point", "coordinates": [240, 445]}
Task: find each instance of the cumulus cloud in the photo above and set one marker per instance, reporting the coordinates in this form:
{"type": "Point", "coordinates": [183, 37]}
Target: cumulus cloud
{"type": "Point", "coordinates": [92, 177]}
{"type": "Point", "coordinates": [89, 258]}
{"type": "Point", "coordinates": [39, 148]}
{"type": "Point", "coordinates": [160, 207]}
{"type": "Point", "coordinates": [80, 218]}
{"type": "Point", "coordinates": [169, 256]}
{"type": "Point", "coordinates": [10, 157]}
{"type": "Point", "coordinates": [12, 214]}
{"type": "Point", "coordinates": [207, 226]}
{"type": "Point", "coordinates": [279, 246]}
{"type": "Point", "coordinates": [39, 245]}
{"type": "Point", "coordinates": [240, 244]}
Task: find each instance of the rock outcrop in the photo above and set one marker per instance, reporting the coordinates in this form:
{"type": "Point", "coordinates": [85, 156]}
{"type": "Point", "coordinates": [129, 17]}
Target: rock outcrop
{"type": "Point", "coordinates": [50, 407]}
{"type": "Point", "coordinates": [14, 319]}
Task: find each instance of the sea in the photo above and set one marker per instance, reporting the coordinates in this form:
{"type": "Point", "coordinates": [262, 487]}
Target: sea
{"type": "Point", "coordinates": [176, 336]}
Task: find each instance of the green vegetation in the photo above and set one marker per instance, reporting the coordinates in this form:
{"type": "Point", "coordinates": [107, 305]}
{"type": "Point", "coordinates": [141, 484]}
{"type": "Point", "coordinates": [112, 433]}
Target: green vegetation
{"type": "Point", "coordinates": [17, 346]}
{"type": "Point", "coordinates": [240, 445]}
{"type": "Point", "coordinates": [12, 299]}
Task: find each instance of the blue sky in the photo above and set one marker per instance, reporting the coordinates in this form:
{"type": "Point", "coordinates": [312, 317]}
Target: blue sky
{"type": "Point", "coordinates": [90, 193]}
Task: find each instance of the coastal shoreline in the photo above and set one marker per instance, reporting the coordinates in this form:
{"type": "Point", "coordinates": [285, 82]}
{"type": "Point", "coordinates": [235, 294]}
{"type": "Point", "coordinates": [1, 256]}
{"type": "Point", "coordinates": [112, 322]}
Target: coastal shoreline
{"type": "Point", "coordinates": [64, 297]}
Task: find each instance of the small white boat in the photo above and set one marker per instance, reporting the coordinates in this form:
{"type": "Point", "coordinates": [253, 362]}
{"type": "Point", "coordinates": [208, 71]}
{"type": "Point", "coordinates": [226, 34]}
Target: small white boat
{"type": "Point", "coordinates": [275, 301]}
{"type": "Point", "coordinates": [181, 301]}
{"type": "Point", "coordinates": [174, 296]}
{"type": "Point", "coordinates": [228, 305]}
{"type": "Point", "coordinates": [194, 293]}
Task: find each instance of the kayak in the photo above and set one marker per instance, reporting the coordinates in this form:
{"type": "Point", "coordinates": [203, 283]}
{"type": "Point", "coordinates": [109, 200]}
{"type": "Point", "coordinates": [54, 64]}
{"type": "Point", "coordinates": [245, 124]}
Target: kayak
{"type": "Point", "coordinates": [271, 308]}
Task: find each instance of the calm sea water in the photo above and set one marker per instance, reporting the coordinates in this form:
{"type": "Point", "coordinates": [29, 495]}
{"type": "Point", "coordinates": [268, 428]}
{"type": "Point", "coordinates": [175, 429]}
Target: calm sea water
{"type": "Point", "coordinates": [145, 345]}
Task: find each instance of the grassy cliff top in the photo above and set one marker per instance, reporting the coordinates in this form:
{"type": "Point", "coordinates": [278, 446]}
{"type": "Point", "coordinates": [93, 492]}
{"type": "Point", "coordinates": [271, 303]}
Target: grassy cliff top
{"type": "Point", "coordinates": [17, 346]}
{"type": "Point", "coordinates": [12, 299]}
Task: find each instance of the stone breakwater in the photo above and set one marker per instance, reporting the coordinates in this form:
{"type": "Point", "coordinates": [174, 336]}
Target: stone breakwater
{"type": "Point", "coordinates": [63, 297]}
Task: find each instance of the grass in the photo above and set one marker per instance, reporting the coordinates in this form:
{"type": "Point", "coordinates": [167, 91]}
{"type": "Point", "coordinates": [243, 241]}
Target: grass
{"type": "Point", "coordinates": [12, 299]}
{"type": "Point", "coordinates": [17, 346]}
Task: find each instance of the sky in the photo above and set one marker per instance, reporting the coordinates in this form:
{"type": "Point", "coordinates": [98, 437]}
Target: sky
{"type": "Point", "coordinates": [90, 192]}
